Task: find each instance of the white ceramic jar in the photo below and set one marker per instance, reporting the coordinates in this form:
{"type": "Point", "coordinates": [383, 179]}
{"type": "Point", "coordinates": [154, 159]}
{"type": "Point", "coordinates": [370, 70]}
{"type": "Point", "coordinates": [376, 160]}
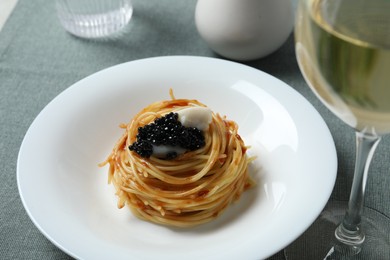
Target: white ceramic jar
{"type": "Point", "coordinates": [244, 29]}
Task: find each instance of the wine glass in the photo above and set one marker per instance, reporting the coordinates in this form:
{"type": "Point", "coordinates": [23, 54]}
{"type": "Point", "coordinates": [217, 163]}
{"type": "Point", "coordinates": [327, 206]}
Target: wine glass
{"type": "Point", "coordinates": [343, 51]}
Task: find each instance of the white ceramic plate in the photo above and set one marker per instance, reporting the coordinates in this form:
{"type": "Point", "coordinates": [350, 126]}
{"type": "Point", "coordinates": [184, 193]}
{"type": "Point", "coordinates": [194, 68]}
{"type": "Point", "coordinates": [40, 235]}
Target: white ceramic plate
{"type": "Point", "coordinates": [67, 196]}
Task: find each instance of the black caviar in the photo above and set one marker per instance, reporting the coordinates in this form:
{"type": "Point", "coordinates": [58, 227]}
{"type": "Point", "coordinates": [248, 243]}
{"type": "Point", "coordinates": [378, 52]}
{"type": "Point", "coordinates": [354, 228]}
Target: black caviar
{"type": "Point", "coordinates": [167, 130]}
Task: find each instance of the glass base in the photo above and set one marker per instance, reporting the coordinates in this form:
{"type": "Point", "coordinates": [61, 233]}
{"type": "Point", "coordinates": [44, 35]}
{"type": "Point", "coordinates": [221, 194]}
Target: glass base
{"type": "Point", "coordinates": [319, 241]}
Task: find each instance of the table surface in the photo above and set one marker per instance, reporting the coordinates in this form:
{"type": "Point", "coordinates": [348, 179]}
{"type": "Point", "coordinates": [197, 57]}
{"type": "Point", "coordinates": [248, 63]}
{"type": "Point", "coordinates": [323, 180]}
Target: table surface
{"type": "Point", "coordinates": [38, 60]}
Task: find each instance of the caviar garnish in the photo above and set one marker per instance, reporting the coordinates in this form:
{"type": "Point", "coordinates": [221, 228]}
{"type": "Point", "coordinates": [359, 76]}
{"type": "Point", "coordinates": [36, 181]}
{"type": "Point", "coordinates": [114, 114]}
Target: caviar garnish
{"type": "Point", "coordinates": [143, 148]}
{"type": "Point", "coordinates": [167, 130]}
{"type": "Point", "coordinates": [171, 155]}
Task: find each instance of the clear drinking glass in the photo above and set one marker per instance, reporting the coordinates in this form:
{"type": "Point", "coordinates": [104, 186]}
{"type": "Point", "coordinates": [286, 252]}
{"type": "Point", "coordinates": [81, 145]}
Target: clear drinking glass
{"type": "Point", "coordinates": [94, 18]}
{"type": "Point", "coordinates": [343, 51]}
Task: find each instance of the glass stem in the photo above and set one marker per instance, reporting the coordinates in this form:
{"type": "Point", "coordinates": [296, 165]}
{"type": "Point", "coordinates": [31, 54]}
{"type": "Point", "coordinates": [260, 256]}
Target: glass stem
{"type": "Point", "coordinates": [349, 232]}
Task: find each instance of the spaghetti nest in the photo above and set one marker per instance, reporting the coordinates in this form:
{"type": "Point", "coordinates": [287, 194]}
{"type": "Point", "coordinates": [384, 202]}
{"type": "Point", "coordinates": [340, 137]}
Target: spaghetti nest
{"type": "Point", "coordinates": [191, 189]}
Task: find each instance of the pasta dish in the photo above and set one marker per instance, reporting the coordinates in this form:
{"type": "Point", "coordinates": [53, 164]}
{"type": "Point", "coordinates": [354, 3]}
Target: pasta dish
{"type": "Point", "coordinates": [178, 164]}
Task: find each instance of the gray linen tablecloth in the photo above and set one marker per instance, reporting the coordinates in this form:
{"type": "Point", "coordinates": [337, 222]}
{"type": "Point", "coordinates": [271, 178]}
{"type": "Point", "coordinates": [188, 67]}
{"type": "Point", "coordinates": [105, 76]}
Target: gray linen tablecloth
{"type": "Point", "coordinates": [38, 60]}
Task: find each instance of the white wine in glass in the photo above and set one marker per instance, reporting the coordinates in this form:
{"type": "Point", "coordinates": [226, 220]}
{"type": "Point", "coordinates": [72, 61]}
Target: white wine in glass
{"type": "Point", "coordinates": [343, 51]}
{"type": "Point", "coordinates": [343, 48]}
